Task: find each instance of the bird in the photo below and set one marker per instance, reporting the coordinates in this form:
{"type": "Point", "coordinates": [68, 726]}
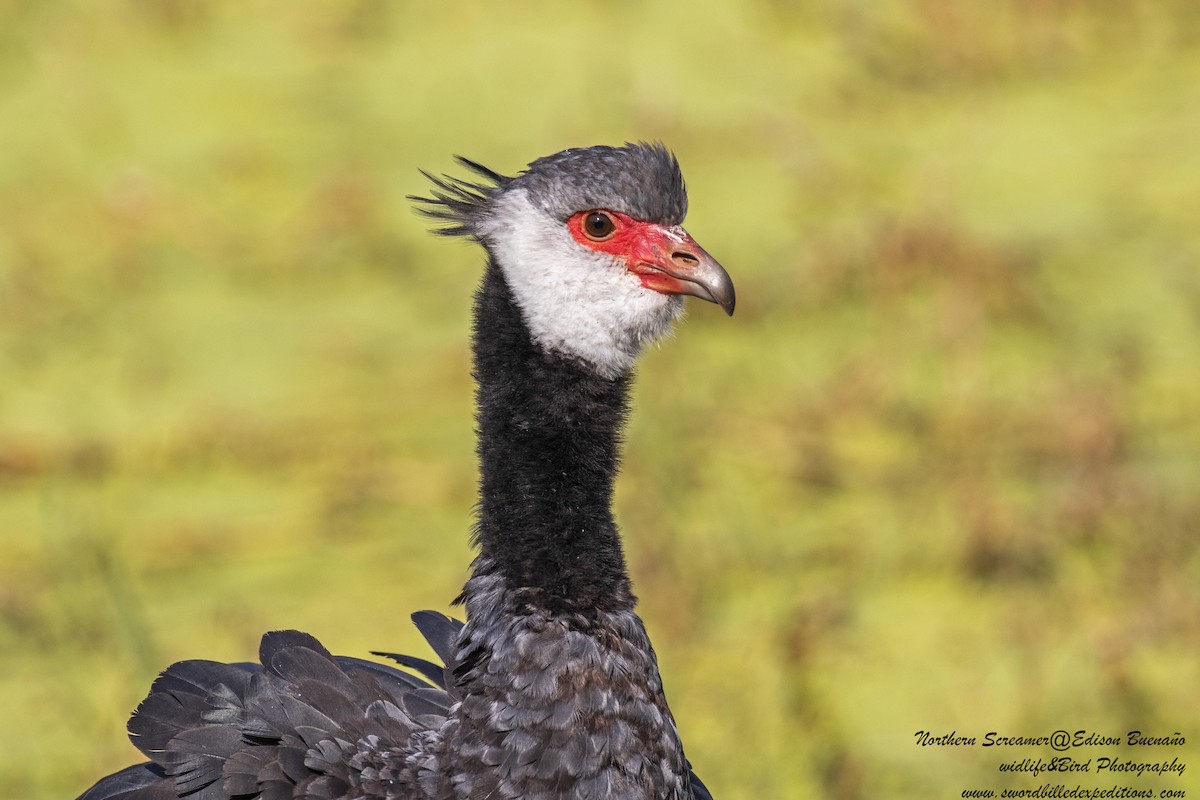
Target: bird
{"type": "Point", "coordinates": [551, 688]}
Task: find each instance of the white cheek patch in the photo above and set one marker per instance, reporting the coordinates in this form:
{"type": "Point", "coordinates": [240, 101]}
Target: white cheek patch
{"type": "Point", "coordinates": [576, 302]}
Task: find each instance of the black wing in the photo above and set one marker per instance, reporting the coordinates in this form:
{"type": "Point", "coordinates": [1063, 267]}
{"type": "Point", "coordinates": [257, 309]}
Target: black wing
{"type": "Point", "coordinates": [303, 723]}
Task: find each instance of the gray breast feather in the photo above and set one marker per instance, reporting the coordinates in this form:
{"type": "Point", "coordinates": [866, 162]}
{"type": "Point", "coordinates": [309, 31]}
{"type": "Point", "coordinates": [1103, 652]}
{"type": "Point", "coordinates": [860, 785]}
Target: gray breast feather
{"type": "Point", "coordinates": [559, 707]}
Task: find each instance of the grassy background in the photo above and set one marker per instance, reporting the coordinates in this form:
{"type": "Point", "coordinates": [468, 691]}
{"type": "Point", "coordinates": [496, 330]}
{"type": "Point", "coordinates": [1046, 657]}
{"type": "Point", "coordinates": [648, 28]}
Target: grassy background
{"type": "Point", "coordinates": [939, 472]}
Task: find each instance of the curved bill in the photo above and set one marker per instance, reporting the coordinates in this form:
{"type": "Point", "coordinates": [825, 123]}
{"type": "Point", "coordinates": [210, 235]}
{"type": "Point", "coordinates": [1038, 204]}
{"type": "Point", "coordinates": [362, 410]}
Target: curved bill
{"type": "Point", "coordinates": [675, 264]}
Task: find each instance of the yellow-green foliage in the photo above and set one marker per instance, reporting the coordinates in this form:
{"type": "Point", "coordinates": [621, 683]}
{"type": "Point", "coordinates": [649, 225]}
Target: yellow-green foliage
{"type": "Point", "coordinates": [939, 472]}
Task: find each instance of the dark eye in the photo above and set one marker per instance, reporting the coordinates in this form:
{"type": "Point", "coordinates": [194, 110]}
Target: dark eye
{"type": "Point", "coordinates": [598, 226]}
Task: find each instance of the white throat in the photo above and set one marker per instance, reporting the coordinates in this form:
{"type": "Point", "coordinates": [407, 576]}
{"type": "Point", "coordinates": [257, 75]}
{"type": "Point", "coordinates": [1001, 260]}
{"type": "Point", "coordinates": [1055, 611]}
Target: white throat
{"type": "Point", "coordinates": [576, 302]}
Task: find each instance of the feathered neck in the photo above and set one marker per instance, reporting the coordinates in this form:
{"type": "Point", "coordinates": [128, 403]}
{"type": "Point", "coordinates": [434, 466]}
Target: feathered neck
{"type": "Point", "coordinates": [548, 443]}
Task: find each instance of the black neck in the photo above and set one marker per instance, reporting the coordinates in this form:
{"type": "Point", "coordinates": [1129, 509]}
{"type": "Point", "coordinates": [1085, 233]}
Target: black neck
{"type": "Point", "coordinates": [549, 441]}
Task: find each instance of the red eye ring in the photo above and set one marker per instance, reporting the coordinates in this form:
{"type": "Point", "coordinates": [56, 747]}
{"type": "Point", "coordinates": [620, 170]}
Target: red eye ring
{"type": "Point", "coordinates": [598, 226]}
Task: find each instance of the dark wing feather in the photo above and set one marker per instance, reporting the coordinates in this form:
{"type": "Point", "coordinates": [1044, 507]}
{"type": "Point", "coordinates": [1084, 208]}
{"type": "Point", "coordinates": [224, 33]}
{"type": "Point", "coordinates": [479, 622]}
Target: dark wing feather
{"type": "Point", "coordinates": [139, 782]}
{"type": "Point", "coordinates": [196, 760]}
{"type": "Point", "coordinates": [699, 790]}
{"type": "Point", "coordinates": [395, 682]}
{"type": "Point", "coordinates": [442, 634]}
{"type": "Point", "coordinates": [303, 724]}
{"type": "Point", "coordinates": [432, 671]}
{"type": "Point", "coordinates": [440, 631]}
{"type": "Point", "coordinates": [187, 695]}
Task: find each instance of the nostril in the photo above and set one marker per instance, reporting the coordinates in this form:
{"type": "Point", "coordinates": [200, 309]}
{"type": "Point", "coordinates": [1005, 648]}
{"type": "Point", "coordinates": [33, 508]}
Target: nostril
{"type": "Point", "coordinates": [684, 258]}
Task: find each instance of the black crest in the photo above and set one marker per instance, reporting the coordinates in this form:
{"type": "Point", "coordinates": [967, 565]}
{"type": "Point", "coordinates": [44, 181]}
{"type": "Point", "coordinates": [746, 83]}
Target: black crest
{"type": "Point", "coordinates": [462, 204]}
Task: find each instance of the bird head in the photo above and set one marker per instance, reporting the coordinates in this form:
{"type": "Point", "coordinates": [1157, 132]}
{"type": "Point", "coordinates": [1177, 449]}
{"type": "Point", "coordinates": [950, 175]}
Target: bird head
{"type": "Point", "coordinates": [591, 245]}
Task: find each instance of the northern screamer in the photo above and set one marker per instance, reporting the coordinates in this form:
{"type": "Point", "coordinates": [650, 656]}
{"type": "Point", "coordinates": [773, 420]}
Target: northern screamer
{"type": "Point", "coordinates": [551, 688]}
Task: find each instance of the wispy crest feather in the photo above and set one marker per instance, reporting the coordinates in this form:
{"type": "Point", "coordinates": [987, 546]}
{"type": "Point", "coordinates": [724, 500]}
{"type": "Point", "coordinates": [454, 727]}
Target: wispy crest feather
{"type": "Point", "coordinates": [461, 204]}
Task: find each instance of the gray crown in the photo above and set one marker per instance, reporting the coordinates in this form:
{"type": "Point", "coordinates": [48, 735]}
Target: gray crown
{"type": "Point", "coordinates": [640, 179]}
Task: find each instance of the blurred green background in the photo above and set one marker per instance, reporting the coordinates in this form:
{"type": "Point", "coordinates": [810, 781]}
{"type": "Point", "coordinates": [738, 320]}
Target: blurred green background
{"type": "Point", "coordinates": [938, 473]}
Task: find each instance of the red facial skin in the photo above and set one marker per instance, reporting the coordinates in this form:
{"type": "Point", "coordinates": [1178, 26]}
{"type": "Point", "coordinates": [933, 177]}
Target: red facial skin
{"type": "Point", "coordinates": [649, 250]}
{"type": "Point", "coordinates": [665, 259]}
